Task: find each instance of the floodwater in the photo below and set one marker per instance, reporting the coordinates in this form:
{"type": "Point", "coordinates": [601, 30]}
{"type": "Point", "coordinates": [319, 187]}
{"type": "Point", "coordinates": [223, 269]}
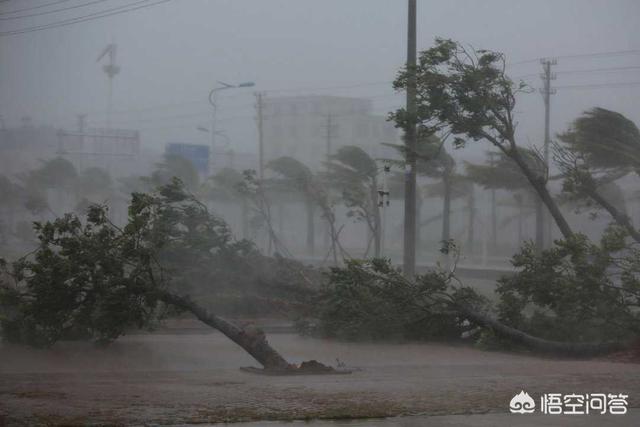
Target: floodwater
{"type": "Point", "coordinates": [193, 378]}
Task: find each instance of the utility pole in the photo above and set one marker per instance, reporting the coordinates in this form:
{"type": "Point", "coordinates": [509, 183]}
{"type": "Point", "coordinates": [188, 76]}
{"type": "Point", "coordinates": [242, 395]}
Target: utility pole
{"type": "Point", "coordinates": [409, 254]}
{"type": "Point", "coordinates": [330, 133]}
{"type": "Point", "coordinates": [260, 118]}
{"type": "Point", "coordinates": [81, 128]}
{"type": "Point", "coordinates": [494, 214]}
{"type": "Point", "coordinates": [81, 123]}
{"type": "Point", "coordinates": [330, 129]}
{"type": "Point", "coordinates": [547, 91]}
{"type": "Point", "coordinates": [213, 100]}
{"type": "Point", "coordinates": [383, 203]}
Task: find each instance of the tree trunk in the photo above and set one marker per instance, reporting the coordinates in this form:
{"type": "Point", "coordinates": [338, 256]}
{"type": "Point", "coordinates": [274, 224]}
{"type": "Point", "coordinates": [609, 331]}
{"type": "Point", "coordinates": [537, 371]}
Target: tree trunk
{"type": "Point", "coordinates": [520, 218]}
{"type": "Point", "coordinates": [311, 232]}
{"type": "Point", "coordinates": [471, 205]}
{"type": "Point", "coordinates": [539, 225]}
{"type": "Point", "coordinates": [419, 225]}
{"type": "Point", "coordinates": [254, 343]}
{"type": "Point", "coordinates": [539, 344]}
{"type": "Point", "coordinates": [619, 217]}
{"type": "Point", "coordinates": [446, 214]}
{"type": "Point", "coordinates": [540, 187]}
{"type": "Point", "coordinates": [376, 218]}
{"type": "Point", "coordinates": [281, 219]}
{"type": "Point", "coordinates": [494, 222]}
{"type": "Point", "coordinates": [245, 218]}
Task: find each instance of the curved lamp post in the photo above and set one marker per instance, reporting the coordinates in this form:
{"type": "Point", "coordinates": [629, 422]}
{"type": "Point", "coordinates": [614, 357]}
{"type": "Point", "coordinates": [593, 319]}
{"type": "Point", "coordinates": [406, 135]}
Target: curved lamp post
{"type": "Point", "coordinates": [213, 101]}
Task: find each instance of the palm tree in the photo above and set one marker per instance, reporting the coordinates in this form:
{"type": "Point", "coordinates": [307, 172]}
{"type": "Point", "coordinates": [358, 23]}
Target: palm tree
{"type": "Point", "coordinates": [224, 186]}
{"type": "Point", "coordinates": [601, 147]}
{"type": "Point", "coordinates": [453, 186]}
{"type": "Point", "coordinates": [10, 195]}
{"type": "Point", "coordinates": [606, 140]}
{"type": "Point", "coordinates": [177, 166]}
{"type": "Point", "coordinates": [434, 162]}
{"type": "Point", "coordinates": [94, 186]}
{"type": "Point", "coordinates": [355, 174]}
{"type": "Point", "coordinates": [298, 176]}
{"type": "Point", "coordinates": [503, 173]}
{"type": "Point", "coordinates": [58, 175]}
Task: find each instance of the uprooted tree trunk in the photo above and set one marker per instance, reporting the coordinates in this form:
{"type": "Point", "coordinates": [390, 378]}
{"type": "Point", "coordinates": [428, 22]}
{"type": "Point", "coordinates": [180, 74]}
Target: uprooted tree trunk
{"type": "Point", "coordinates": [539, 344]}
{"type": "Point", "coordinates": [254, 343]}
{"type": "Point", "coordinates": [619, 217]}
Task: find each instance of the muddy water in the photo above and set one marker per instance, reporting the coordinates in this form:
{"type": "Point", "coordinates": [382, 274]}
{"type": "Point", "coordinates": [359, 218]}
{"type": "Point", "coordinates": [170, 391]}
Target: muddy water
{"type": "Point", "coordinates": [194, 378]}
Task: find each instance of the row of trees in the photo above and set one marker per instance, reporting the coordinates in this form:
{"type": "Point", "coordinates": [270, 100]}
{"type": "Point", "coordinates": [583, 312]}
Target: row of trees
{"type": "Point", "coordinates": [98, 278]}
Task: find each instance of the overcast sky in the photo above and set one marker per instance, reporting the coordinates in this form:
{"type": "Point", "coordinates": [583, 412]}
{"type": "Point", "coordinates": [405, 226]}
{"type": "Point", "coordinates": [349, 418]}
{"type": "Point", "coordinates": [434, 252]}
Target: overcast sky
{"type": "Point", "coordinates": [173, 53]}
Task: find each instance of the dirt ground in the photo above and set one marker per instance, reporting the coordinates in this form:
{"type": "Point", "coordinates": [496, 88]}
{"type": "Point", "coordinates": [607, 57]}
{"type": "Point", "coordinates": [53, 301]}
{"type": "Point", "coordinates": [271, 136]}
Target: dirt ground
{"type": "Point", "coordinates": [194, 378]}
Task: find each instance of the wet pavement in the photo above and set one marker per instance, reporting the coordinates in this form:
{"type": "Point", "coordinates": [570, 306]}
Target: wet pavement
{"type": "Point", "coordinates": [479, 420]}
{"type": "Point", "coordinates": [194, 378]}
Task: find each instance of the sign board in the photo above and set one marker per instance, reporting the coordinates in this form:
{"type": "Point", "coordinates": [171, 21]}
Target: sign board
{"type": "Point", "coordinates": [197, 154]}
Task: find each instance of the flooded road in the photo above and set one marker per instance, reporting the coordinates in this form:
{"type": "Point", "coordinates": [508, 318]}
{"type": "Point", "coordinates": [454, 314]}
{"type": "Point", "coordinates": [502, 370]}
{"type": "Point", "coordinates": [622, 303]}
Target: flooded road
{"type": "Point", "coordinates": [183, 379]}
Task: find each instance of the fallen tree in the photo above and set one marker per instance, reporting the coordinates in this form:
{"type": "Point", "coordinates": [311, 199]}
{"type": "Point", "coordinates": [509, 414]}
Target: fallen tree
{"type": "Point", "coordinates": [575, 349]}
{"type": "Point", "coordinates": [94, 280]}
{"type": "Point", "coordinates": [373, 300]}
{"type": "Point", "coordinates": [253, 341]}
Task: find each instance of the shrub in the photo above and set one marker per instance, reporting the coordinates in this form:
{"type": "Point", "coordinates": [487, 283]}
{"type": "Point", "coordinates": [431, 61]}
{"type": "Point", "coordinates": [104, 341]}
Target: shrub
{"type": "Point", "coordinates": [371, 300]}
{"type": "Point", "coordinates": [576, 291]}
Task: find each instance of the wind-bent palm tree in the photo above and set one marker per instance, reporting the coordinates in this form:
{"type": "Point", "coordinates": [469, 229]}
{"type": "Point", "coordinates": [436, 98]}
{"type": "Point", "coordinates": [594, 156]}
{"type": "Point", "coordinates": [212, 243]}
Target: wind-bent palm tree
{"type": "Point", "coordinates": [355, 174]}
{"type": "Point", "coordinates": [224, 187]}
{"type": "Point", "coordinates": [599, 148]}
{"type": "Point", "coordinates": [296, 175]}
{"type": "Point", "coordinates": [502, 173]}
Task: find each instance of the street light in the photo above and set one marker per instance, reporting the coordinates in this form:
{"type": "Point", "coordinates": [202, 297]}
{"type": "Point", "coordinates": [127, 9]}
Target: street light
{"type": "Point", "coordinates": [213, 101]}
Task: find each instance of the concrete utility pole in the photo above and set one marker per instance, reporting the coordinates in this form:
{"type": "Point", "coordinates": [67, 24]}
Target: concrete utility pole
{"type": "Point", "coordinates": [494, 214]}
{"type": "Point", "coordinates": [409, 254]}
{"type": "Point", "coordinates": [544, 239]}
{"type": "Point", "coordinates": [260, 119]}
{"type": "Point", "coordinates": [383, 203]}
{"type": "Point", "coordinates": [82, 119]}
{"type": "Point", "coordinates": [330, 129]}
{"type": "Point", "coordinates": [81, 123]}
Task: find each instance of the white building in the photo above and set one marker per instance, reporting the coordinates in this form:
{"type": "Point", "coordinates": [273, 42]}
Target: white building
{"type": "Point", "coordinates": [309, 127]}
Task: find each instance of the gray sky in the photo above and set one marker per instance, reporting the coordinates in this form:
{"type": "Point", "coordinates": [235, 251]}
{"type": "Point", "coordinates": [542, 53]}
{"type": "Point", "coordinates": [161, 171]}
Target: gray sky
{"type": "Point", "coordinates": [173, 53]}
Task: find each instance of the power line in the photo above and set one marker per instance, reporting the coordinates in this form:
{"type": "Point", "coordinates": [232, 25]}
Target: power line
{"type": "Point", "coordinates": [53, 11]}
{"type": "Point", "coordinates": [602, 54]}
{"type": "Point", "coordinates": [89, 17]}
{"type": "Point", "coordinates": [332, 87]}
{"type": "Point", "coordinates": [599, 85]}
{"type": "Point", "coordinates": [589, 70]}
{"type": "Point", "coordinates": [34, 7]}
{"type": "Point", "coordinates": [582, 55]}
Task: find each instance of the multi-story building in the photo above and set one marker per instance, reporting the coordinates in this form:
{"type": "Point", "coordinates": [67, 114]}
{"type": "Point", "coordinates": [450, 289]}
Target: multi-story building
{"type": "Point", "coordinates": [309, 127]}
{"type": "Point", "coordinates": [23, 148]}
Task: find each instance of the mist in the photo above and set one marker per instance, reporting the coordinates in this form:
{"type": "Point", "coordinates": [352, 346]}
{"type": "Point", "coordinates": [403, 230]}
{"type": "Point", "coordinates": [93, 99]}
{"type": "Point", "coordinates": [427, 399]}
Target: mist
{"type": "Point", "coordinates": [211, 199]}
